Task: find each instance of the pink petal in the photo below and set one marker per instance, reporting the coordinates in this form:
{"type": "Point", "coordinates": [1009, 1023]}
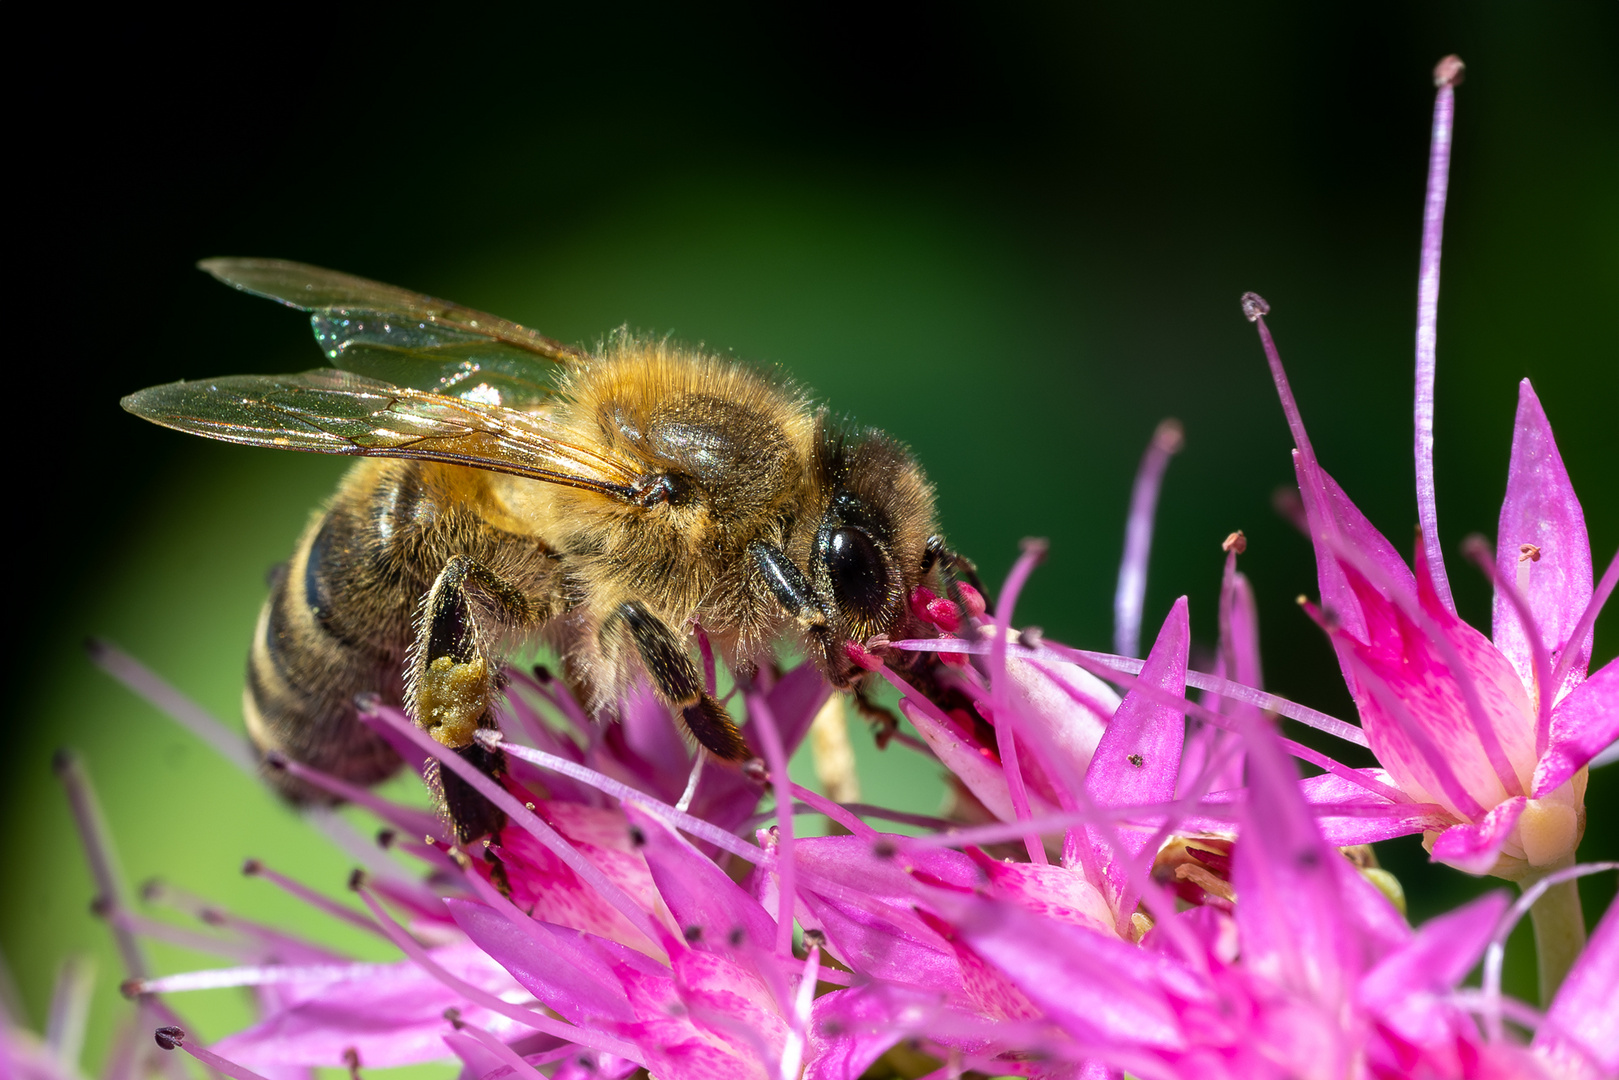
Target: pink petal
{"type": "Point", "coordinates": [1582, 1025]}
{"type": "Point", "coordinates": [711, 910]}
{"type": "Point", "coordinates": [972, 764]}
{"type": "Point", "coordinates": [1291, 884]}
{"type": "Point", "coordinates": [396, 1019]}
{"type": "Point", "coordinates": [1474, 848]}
{"type": "Point", "coordinates": [730, 1001]}
{"type": "Point", "coordinates": [1100, 990]}
{"type": "Point", "coordinates": [1069, 704]}
{"type": "Point", "coordinates": [1138, 759]}
{"type": "Point", "coordinates": [1055, 892]}
{"type": "Point", "coordinates": [1399, 653]}
{"type": "Point", "coordinates": [1366, 816]}
{"type": "Point", "coordinates": [1541, 509]}
{"type": "Point", "coordinates": [1583, 725]}
{"type": "Point", "coordinates": [542, 883]}
{"type": "Point", "coordinates": [881, 936]}
{"type": "Point", "coordinates": [851, 1029]}
{"type": "Point", "coordinates": [555, 964]}
{"type": "Point", "coordinates": [1434, 961]}
{"type": "Point", "coordinates": [676, 1048]}
{"type": "Point", "coordinates": [1330, 513]}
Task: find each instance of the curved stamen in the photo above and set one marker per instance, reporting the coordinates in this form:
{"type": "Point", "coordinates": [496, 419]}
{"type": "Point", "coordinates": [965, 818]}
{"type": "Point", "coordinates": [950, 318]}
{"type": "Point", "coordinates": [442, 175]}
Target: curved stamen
{"type": "Point", "coordinates": [1034, 552]}
{"type": "Point", "coordinates": [1446, 76]}
{"type": "Point", "coordinates": [1131, 590]}
{"type": "Point", "coordinates": [1497, 950]}
{"type": "Point", "coordinates": [1476, 549]}
{"type": "Point", "coordinates": [776, 756]}
{"type": "Point", "coordinates": [1604, 589]}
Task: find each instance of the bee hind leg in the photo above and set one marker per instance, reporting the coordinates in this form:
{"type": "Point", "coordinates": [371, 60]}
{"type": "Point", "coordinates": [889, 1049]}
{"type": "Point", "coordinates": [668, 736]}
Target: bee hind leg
{"type": "Point", "coordinates": [454, 682]}
{"type": "Point", "coordinates": [677, 681]}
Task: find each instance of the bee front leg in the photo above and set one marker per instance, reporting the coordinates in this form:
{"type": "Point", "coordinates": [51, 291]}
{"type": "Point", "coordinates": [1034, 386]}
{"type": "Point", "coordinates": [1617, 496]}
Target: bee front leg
{"type": "Point", "coordinates": [454, 682]}
{"type": "Point", "coordinates": [677, 681]}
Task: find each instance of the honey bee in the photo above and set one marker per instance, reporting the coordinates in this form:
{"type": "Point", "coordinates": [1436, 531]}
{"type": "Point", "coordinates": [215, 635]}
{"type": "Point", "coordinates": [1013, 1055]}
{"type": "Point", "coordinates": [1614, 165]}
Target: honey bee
{"type": "Point", "coordinates": [516, 489]}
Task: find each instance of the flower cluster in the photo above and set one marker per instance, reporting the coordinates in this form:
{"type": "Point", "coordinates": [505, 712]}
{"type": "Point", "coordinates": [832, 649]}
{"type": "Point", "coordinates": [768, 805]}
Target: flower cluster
{"type": "Point", "coordinates": [1134, 878]}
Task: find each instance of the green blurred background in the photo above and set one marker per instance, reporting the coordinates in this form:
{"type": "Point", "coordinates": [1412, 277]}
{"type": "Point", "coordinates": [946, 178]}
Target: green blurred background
{"type": "Point", "coordinates": [1013, 236]}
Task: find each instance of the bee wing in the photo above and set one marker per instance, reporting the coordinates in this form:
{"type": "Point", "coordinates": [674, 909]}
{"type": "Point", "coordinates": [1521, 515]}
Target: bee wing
{"type": "Point", "coordinates": [339, 412]}
{"type": "Point", "coordinates": [404, 338]}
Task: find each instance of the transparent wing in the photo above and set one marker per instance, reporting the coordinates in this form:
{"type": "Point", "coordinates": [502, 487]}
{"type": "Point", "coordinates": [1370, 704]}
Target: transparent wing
{"type": "Point", "coordinates": [339, 412]}
{"type": "Point", "coordinates": [407, 339]}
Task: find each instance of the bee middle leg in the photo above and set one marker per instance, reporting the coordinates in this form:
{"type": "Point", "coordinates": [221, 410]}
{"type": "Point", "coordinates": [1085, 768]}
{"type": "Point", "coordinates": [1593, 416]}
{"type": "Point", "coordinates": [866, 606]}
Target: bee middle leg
{"type": "Point", "coordinates": [455, 679]}
{"type": "Point", "coordinates": [677, 681]}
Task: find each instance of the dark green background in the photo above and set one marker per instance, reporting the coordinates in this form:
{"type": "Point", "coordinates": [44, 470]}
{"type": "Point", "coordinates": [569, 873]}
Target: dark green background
{"type": "Point", "coordinates": [1015, 238]}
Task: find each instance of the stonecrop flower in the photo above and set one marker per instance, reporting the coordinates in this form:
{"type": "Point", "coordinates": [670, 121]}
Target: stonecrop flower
{"type": "Point", "coordinates": [1496, 734]}
{"type": "Point", "coordinates": [1137, 885]}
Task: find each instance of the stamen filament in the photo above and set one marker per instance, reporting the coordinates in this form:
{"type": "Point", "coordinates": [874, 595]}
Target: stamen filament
{"type": "Point", "coordinates": [696, 826]}
{"type": "Point", "coordinates": [527, 1017]}
{"type": "Point", "coordinates": [1446, 75]}
{"type": "Point", "coordinates": [1108, 664]}
{"type": "Point", "coordinates": [253, 975]}
{"type": "Point", "coordinates": [169, 701]}
{"type": "Point", "coordinates": [174, 1038]}
{"type": "Point", "coordinates": [1131, 591]}
{"type": "Point", "coordinates": [1034, 552]}
{"type": "Point", "coordinates": [529, 822]}
{"type": "Point", "coordinates": [1576, 640]}
{"type": "Point", "coordinates": [1496, 952]}
{"type": "Point", "coordinates": [255, 868]}
{"type": "Point", "coordinates": [98, 852]}
{"type": "Point", "coordinates": [488, 1041]}
{"type": "Point", "coordinates": [1475, 548]}
{"type": "Point", "coordinates": [776, 756]}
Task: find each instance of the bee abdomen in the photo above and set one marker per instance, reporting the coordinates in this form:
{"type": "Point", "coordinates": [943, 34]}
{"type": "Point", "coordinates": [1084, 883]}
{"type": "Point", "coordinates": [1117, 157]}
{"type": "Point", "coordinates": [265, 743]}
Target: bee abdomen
{"type": "Point", "coordinates": [303, 671]}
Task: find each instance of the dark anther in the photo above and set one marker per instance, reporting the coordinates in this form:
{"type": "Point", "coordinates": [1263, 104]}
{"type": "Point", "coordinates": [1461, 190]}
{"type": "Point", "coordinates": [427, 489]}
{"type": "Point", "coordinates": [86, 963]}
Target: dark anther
{"type": "Point", "coordinates": [736, 937]}
{"type": "Point", "coordinates": [1253, 306]}
{"type": "Point", "coordinates": [357, 880]}
{"type": "Point", "coordinates": [586, 1062]}
{"type": "Point", "coordinates": [756, 770]}
{"type": "Point", "coordinates": [884, 849]}
{"type": "Point", "coordinates": [251, 867]}
{"type": "Point", "coordinates": [1136, 760]}
{"type": "Point", "coordinates": [386, 838]}
{"type": "Point", "coordinates": [637, 837]}
{"type": "Point", "coordinates": [453, 1015]}
{"type": "Point", "coordinates": [815, 938]}
{"type": "Point", "coordinates": [169, 1036]}
{"type": "Point", "coordinates": [276, 761]}
{"type": "Point", "coordinates": [693, 933]}
{"type": "Point", "coordinates": [542, 674]}
{"type": "Point", "coordinates": [62, 760]}
{"type": "Point", "coordinates": [351, 1058]}
{"type": "Point", "coordinates": [1307, 859]}
{"type": "Point", "coordinates": [101, 906]}
{"type": "Point", "coordinates": [132, 988]}
{"type": "Point", "coordinates": [212, 916]}
{"type": "Point", "coordinates": [831, 1029]}
{"type": "Point", "coordinates": [152, 889]}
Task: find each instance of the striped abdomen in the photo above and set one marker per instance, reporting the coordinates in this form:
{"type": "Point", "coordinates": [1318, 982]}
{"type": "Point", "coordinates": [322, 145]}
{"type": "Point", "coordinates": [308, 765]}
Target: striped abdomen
{"type": "Point", "coordinates": [331, 628]}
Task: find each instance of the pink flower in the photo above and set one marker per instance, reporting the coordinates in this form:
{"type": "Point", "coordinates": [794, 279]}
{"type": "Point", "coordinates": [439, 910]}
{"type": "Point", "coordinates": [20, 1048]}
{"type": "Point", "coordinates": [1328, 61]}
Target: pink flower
{"type": "Point", "coordinates": [1495, 735]}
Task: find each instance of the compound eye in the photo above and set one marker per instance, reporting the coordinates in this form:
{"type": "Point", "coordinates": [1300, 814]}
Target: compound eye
{"type": "Point", "coordinates": [858, 574]}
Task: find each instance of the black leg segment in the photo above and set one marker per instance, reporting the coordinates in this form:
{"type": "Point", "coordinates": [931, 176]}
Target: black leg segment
{"type": "Point", "coordinates": [677, 681]}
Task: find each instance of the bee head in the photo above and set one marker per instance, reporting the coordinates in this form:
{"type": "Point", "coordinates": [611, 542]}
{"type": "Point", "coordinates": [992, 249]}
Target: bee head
{"type": "Point", "coordinates": [870, 548]}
